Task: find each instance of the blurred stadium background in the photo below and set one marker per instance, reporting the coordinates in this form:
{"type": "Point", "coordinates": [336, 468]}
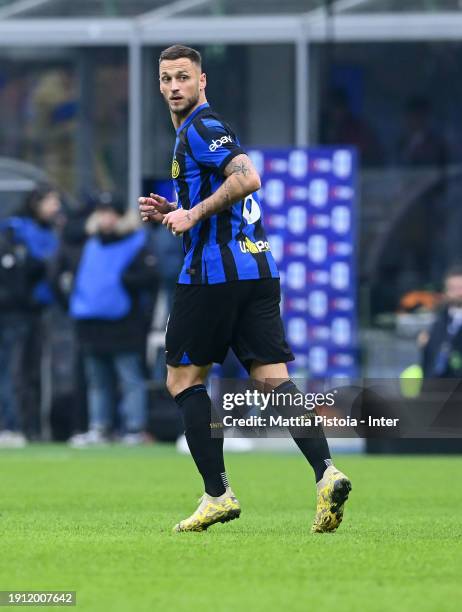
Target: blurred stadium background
{"type": "Point", "coordinates": [362, 95]}
{"type": "Point", "coordinates": [79, 106]}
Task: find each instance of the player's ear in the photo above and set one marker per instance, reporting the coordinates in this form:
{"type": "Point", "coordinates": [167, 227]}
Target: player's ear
{"type": "Point", "coordinates": [202, 81]}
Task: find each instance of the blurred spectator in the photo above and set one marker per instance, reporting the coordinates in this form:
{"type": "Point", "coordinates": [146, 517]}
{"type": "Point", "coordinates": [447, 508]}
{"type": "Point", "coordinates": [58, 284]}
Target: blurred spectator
{"type": "Point", "coordinates": [111, 296]}
{"type": "Point", "coordinates": [341, 127]}
{"type": "Point", "coordinates": [442, 345]}
{"type": "Point", "coordinates": [27, 243]}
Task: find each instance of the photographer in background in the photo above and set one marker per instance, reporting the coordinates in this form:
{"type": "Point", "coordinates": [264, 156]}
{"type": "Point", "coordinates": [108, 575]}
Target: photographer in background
{"type": "Point", "coordinates": [442, 345]}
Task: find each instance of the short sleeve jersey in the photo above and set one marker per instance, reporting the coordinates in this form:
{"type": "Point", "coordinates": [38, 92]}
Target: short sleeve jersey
{"type": "Point", "coordinates": [232, 244]}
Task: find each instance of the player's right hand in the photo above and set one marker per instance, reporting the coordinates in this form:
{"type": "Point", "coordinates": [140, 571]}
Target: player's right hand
{"type": "Point", "coordinates": [153, 208]}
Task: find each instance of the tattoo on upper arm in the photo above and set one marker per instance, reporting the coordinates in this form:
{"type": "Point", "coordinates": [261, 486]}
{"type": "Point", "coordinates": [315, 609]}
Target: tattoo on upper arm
{"type": "Point", "coordinates": [240, 168]}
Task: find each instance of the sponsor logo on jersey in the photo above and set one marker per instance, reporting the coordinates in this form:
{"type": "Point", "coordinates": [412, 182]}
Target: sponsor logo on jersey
{"type": "Point", "coordinates": [175, 169]}
{"type": "Point", "coordinates": [247, 246]}
{"type": "Point", "coordinates": [219, 142]}
{"type": "Point", "coordinates": [251, 211]}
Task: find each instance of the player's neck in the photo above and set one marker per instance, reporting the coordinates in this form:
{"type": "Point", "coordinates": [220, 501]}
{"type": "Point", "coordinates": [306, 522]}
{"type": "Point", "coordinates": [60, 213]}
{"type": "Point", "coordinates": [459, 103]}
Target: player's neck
{"type": "Point", "coordinates": [178, 119]}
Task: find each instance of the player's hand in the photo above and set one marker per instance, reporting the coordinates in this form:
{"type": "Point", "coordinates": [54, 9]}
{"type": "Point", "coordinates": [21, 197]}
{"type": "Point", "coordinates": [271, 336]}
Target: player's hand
{"type": "Point", "coordinates": [154, 208]}
{"type": "Point", "coordinates": [179, 221]}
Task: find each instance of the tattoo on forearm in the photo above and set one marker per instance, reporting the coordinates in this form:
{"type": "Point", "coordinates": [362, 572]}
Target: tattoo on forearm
{"type": "Point", "coordinates": [234, 188]}
{"type": "Point", "coordinates": [221, 200]}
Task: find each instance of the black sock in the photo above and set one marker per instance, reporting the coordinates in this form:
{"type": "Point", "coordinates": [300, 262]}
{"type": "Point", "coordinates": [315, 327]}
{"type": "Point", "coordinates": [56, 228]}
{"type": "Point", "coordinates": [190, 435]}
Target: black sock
{"type": "Point", "coordinates": [206, 451]}
{"type": "Point", "coordinates": [315, 448]}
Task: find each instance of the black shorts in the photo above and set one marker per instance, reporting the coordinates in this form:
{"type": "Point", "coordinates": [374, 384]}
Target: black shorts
{"type": "Point", "coordinates": [207, 320]}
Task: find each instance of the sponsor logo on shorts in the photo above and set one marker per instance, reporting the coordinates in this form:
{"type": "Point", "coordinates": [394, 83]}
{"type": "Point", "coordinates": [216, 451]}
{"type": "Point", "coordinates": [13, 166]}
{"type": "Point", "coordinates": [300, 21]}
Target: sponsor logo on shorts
{"type": "Point", "coordinates": [247, 246]}
{"type": "Point", "coordinates": [175, 169]}
{"type": "Point", "coordinates": [219, 142]}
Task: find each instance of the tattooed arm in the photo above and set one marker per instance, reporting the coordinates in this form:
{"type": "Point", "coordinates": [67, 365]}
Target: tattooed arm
{"type": "Point", "coordinates": [241, 180]}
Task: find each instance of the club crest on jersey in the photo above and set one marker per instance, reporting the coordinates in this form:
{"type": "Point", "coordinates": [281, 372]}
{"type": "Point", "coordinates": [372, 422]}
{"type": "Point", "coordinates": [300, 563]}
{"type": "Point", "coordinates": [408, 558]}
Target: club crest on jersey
{"type": "Point", "coordinates": [175, 169]}
{"type": "Point", "coordinates": [247, 246]}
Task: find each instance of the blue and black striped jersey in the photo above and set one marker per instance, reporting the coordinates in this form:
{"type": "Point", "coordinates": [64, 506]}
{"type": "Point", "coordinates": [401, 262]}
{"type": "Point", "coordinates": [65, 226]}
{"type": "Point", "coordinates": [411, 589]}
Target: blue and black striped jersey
{"type": "Point", "coordinates": [231, 245]}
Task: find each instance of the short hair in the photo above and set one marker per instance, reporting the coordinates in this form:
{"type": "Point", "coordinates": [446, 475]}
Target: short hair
{"type": "Point", "coordinates": [455, 270]}
{"type": "Point", "coordinates": [178, 51]}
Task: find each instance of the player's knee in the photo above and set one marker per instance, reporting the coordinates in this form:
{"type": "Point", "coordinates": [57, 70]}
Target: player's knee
{"type": "Point", "coordinates": [172, 384]}
{"type": "Point", "coordinates": [180, 379]}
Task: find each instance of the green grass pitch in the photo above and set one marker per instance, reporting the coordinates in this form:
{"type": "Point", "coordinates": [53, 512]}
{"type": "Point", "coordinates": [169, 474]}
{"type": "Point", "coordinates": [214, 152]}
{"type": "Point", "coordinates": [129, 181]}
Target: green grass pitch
{"type": "Point", "coordinates": [99, 522]}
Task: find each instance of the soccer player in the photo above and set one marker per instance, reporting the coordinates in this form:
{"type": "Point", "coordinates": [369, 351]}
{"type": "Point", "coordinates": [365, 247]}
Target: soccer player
{"type": "Point", "coordinates": [228, 291]}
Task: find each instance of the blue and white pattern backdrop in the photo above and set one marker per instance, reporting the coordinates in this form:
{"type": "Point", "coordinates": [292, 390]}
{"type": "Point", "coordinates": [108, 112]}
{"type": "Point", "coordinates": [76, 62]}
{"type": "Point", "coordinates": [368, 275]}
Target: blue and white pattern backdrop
{"type": "Point", "coordinates": [309, 202]}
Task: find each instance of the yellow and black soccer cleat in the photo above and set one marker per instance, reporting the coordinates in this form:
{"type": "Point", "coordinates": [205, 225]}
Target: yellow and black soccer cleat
{"type": "Point", "coordinates": [333, 490]}
{"type": "Point", "coordinates": [211, 510]}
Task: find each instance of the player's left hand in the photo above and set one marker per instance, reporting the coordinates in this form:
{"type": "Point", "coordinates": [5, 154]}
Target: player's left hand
{"type": "Point", "coordinates": [179, 221]}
